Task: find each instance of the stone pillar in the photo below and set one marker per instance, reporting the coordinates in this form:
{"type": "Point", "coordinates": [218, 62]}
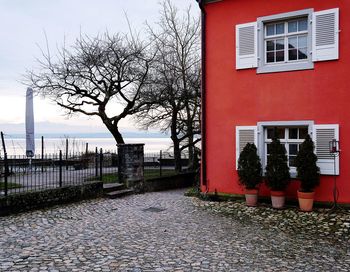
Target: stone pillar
{"type": "Point", "coordinates": [130, 165]}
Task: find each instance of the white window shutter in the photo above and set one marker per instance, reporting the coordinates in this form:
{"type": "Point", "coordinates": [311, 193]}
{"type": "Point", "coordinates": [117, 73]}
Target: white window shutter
{"type": "Point", "coordinates": [325, 31]}
{"type": "Point", "coordinates": [244, 135]}
{"type": "Point", "coordinates": [322, 135]}
{"type": "Point", "coordinates": [246, 46]}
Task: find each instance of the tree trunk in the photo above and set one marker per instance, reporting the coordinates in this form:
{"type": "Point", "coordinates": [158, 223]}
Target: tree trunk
{"type": "Point", "coordinates": [190, 152]}
{"type": "Point", "coordinates": [115, 132]}
{"type": "Point", "coordinates": [177, 156]}
{"type": "Point", "coordinates": [189, 124]}
{"type": "Point", "coordinates": [176, 142]}
{"type": "Point", "coordinates": [117, 136]}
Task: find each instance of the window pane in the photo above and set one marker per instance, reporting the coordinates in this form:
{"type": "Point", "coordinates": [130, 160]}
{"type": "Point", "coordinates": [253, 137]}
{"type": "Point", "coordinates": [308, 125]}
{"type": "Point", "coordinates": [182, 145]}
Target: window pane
{"type": "Point", "coordinates": [303, 132]}
{"type": "Point", "coordinates": [268, 147]}
{"type": "Point", "coordinates": [302, 41]}
{"type": "Point", "coordinates": [292, 26]}
{"type": "Point", "coordinates": [270, 45]}
{"type": "Point", "coordinates": [292, 161]}
{"type": "Point", "coordinates": [279, 56]}
{"type": "Point", "coordinates": [280, 133]}
{"type": "Point", "coordinates": [292, 43]}
{"type": "Point", "coordinates": [293, 133]}
{"type": "Point", "coordinates": [293, 149]}
{"type": "Point", "coordinates": [293, 54]}
{"type": "Point", "coordinates": [302, 25]}
{"type": "Point", "coordinates": [270, 30]}
{"type": "Point", "coordinates": [302, 53]}
{"type": "Point", "coordinates": [269, 133]}
{"type": "Point", "coordinates": [280, 44]}
{"type": "Point", "coordinates": [279, 28]}
{"type": "Point", "coordinates": [270, 57]}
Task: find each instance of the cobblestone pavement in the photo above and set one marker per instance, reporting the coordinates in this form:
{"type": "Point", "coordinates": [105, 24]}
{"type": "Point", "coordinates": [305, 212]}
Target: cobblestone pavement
{"type": "Point", "coordinates": [156, 232]}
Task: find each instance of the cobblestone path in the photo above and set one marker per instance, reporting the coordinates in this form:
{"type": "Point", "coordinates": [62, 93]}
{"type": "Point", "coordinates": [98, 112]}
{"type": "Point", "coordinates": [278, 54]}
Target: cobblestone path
{"type": "Point", "coordinates": [155, 232]}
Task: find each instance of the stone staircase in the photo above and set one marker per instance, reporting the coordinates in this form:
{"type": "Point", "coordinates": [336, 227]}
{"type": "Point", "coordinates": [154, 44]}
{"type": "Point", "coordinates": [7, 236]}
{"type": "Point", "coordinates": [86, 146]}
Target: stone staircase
{"type": "Point", "coordinates": [115, 190]}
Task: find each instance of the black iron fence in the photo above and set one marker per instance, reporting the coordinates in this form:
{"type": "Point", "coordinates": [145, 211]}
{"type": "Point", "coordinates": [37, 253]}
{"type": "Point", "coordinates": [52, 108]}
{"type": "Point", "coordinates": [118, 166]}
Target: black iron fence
{"type": "Point", "coordinates": [161, 164]}
{"type": "Point", "coordinates": [19, 174]}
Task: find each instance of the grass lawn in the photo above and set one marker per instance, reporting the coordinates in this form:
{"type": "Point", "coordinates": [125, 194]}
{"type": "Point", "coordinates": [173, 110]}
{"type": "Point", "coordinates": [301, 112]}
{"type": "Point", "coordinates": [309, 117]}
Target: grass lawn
{"type": "Point", "coordinates": [149, 174]}
{"type": "Point", "coordinates": [10, 185]}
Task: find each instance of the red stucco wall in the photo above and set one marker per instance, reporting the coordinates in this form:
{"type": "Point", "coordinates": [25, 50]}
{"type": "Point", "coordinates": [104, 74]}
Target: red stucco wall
{"type": "Point", "coordinates": [239, 98]}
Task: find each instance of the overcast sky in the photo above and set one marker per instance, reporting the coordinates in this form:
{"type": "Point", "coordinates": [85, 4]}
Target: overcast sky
{"type": "Point", "coordinates": [22, 27]}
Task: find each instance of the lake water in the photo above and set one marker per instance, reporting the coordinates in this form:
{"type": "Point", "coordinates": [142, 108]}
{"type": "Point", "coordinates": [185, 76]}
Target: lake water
{"type": "Point", "coordinates": [53, 145]}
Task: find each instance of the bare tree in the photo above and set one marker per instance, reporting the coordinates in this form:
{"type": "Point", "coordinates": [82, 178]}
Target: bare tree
{"type": "Point", "coordinates": [189, 120]}
{"type": "Point", "coordinates": [94, 75]}
{"type": "Point", "coordinates": [175, 88]}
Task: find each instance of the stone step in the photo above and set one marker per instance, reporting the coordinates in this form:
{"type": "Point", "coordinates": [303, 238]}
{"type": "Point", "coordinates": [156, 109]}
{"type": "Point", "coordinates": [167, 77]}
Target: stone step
{"type": "Point", "coordinates": [119, 193]}
{"type": "Point", "coordinates": [110, 187]}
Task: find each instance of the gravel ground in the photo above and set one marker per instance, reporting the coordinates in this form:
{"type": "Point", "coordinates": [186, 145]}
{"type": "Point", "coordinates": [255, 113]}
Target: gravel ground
{"type": "Point", "coordinates": [160, 232]}
{"type": "Point", "coordinates": [328, 224]}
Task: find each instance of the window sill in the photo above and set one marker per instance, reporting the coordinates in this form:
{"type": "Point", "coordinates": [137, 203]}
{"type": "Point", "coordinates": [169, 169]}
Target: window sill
{"type": "Point", "coordinates": [285, 67]}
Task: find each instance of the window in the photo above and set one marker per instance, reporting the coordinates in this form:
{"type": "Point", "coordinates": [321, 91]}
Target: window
{"type": "Point", "coordinates": [290, 133]}
{"type": "Point", "coordinates": [290, 137]}
{"type": "Point", "coordinates": [288, 41]}
{"type": "Point", "coordinates": [285, 42]}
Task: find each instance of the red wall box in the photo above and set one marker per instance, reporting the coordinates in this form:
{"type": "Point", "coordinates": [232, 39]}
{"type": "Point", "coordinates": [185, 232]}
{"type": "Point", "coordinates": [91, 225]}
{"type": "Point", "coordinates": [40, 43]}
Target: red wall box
{"type": "Point", "coordinates": [244, 97]}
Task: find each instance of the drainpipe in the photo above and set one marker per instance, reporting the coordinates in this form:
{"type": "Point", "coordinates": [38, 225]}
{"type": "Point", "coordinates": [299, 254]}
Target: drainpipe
{"type": "Point", "coordinates": [203, 95]}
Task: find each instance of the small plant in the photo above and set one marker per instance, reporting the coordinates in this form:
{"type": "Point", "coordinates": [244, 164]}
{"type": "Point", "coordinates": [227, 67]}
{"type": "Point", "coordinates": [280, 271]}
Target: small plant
{"type": "Point", "coordinates": [277, 169]}
{"type": "Point", "coordinates": [193, 191]}
{"type": "Point", "coordinates": [249, 167]}
{"type": "Point", "coordinates": [307, 169]}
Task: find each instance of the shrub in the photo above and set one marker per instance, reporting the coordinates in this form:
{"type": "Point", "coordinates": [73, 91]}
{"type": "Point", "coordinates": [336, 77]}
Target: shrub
{"type": "Point", "coordinates": [307, 170]}
{"type": "Point", "coordinates": [193, 191]}
{"type": "Point", "coordinates": [277, 169]}
{"type": "Point", "coordinates": [249, 167]}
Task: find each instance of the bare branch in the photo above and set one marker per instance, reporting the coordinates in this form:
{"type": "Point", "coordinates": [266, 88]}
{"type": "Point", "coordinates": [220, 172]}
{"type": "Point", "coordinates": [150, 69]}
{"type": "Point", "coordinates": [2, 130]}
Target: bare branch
{"type": "Point", "coordinates": [92, 73]}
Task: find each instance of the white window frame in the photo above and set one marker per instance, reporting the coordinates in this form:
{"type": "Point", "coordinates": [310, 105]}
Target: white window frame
{"type": "Point", "coordinates": [263, 66]}
{"type": "Point", "coordinates": [284, 141]}
{"type": "Point", "coordinates": [262, 137]}
{"type": "Point", "coordinates": [285, 37]}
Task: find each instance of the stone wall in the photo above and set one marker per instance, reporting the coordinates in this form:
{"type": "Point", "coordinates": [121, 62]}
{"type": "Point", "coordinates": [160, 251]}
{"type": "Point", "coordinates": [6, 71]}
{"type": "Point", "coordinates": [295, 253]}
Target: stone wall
{"type": "Point", "coordinates": [42, 199]}
{"type": "Point", "coordinates": [170, 182]}
{"type": "Point", "coordinates": [130, 168]}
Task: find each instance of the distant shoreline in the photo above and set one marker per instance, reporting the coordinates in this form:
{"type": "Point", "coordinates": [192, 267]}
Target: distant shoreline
{"type": "Point", "coordinates": [89, 135]}
{"type": "Point", "coordinates": [16, 146]}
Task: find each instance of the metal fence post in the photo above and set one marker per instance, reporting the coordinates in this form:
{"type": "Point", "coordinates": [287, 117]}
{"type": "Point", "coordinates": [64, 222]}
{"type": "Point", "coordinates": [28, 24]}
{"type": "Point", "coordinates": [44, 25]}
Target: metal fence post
{"type": "Point", "coordinates": [5, 162]}
{"type": "Point", "coordinates": [6, 173]}
{"type": "Point", "coordinates": [67, 154]}
{"type": "Point", "coordinates": [60, 168]}
{"type": "Point", "coordinates": [160, 162]}
{"type": "Point", "coordinates": [42, 154]}
{"type": "Point", "coordinates": [96, 162]}
{"type": "Point", "coordinates": [101, 163]}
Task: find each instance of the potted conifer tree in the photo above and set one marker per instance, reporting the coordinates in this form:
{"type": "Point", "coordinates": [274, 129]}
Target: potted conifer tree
{"type": "Point", "coordinates": [250, 173]}
{"type": "Point", "coordinates": [308, 173]}
{"type": "Point", "coordinates": [277, 173]}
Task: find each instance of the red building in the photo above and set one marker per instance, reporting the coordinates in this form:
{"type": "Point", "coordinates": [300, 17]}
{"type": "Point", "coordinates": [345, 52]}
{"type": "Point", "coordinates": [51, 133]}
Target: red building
{"type": "Point", "coordinates": [273, 64]}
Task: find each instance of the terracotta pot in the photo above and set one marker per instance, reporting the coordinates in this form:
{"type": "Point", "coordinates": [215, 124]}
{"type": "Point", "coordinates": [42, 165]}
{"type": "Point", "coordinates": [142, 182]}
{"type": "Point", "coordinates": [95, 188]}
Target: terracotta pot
{"type": "Point", "coordinates": [251, 197]}
{"type": "Point", "coordinates": [278, 199]}
{"type": "Point", "coordinates": [306, 201]}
